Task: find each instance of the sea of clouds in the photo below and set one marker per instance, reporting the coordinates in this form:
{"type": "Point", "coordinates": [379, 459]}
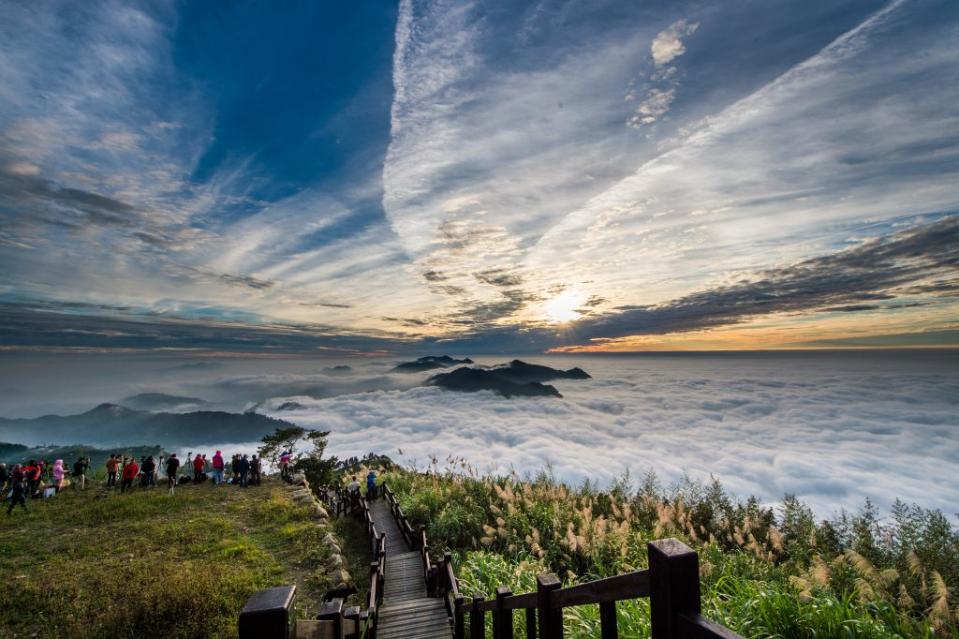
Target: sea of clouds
{"type": "Point", "coordinates": [832, 429]}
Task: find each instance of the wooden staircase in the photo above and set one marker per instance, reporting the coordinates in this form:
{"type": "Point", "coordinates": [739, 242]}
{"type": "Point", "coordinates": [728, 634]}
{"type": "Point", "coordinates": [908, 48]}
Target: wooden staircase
{"type": "Point", "coordinates": [407, 612]}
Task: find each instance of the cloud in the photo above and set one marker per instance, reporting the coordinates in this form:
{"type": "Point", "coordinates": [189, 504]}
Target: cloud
{"type": "Point", "coordinates": [654, 106]}
{"type": "Point", "coordinates": [812, 158]}
{"type": "Point", "coordinates": [878, 269]}
{"type": "Point", "coordinates": [754, 422]}
{"type": "Point", "coordinates": [668, 44]}
{"type": "Point", "coordinates": [504, 183]}
{"type": "Point", "coordinates": [55, 325]}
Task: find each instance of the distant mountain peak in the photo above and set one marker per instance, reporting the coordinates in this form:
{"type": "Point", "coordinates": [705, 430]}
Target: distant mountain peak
{"type": "Point", "coordinates": [113, 410]}
{"type": "Point", "coordinates": [429, 362]}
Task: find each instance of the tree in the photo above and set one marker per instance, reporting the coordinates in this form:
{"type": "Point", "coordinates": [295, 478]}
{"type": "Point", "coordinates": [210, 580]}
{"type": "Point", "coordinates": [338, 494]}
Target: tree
{"type": "Point", "coordinates": [318, 471]}
{"type": "Point", "coordinates": [280, 440]}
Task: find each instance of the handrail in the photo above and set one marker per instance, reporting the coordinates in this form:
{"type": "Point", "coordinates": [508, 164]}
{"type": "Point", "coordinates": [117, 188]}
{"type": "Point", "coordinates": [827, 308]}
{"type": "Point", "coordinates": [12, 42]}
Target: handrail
{"type": "Point", "coordinates": [377, 541]}
{"type": "Point", "coordinates": [632, 585]}
{"type": "Point", "coordinates": [520, 602]}
{"type": "Point", "coordinates": [453, 584]}
{"type": "Point", "coordinates": [671, 583]}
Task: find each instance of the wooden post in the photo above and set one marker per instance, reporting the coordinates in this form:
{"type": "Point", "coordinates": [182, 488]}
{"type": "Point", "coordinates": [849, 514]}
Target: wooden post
{"type": "Point", "coordinates": [502, 618]}
{"type": "Point", "coordinates": [447, 571]}
{"type": "Point", "coordinates": [351, 622]}
{"type": "Point", "coordinates": [266, 614]}
{"type": "Point", "coordinates": [550, 620]}
{"type": "Point", "coordinates": [332, 610]}
{"type": "Point", "coordinates": [459, 625]}
{"type": "Point", "coordinates": [374, 574]}
{"type": "Point", "coordinates": [531, 623]}
{"type": "Point", "coordinates": [607, 620]}
{"type": "Point", "coordinates": [673, 586]}
{"type": "Point", "coordinates": [477, 619]}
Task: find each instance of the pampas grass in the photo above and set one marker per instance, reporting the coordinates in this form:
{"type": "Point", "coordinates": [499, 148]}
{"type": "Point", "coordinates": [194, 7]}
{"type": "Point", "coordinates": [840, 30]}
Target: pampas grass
{"type": "Point", "coordinates": [766, 572]}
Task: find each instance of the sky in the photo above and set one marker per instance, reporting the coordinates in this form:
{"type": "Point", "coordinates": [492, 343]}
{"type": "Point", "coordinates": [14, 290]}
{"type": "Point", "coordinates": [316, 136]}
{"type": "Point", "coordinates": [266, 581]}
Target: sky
{"type": "Point", "coordinates": [477, 177]}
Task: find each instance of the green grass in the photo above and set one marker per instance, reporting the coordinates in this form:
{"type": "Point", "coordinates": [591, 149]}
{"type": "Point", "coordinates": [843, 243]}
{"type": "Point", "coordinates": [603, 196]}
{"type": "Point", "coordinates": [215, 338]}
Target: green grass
{"type": "Point", "coordinates": [145, 563]}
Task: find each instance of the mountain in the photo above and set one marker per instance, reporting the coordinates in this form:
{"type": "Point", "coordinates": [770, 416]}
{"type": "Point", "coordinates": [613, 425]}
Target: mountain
{"type": "Point", "coordinates": [516, 379]}
{"type": "Point", "coordinates": [520, 371]}
{"type": "Point", "coordinates": [477, 379]}
{"type": "Point", "coordinates": [338, 370]}
{"type": "Point", "coordinates": [161, 401]}
{"type": "Point", "coordinates": [69, 454]}
{"type": "Point", "coordinates": [113, 425]}
{"type": "Point", "coordinates": [11, 450]}
{"type": "Point", "coordinates": [428, 363]}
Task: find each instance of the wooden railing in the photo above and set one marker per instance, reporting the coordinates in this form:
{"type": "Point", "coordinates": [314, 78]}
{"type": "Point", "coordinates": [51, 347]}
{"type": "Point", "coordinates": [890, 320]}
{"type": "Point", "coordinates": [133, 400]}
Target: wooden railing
{"type": "Point", "coordinates": [447, 586]}
{"type": "Point", "coordinates": [671, 583]}
{"type": "Point", "coordinates": [367, 619]}
{"type": "Point", "coordinates": [339, 501]}
{"type": "Point", "coordinates": [406, 528]}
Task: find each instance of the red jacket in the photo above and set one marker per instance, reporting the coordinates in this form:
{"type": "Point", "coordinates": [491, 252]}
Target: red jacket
{"type": "Point", "coordinates": [198, 464]}
{"type": "Point", "coordinates": [218, 462]}
{"type": "Point", "coordinates": [130, 470]}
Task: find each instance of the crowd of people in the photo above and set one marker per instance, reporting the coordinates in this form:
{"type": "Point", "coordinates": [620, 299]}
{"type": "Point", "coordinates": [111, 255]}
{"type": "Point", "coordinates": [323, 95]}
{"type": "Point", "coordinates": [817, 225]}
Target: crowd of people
{"type": "Point", "coordinates": [39, 478]}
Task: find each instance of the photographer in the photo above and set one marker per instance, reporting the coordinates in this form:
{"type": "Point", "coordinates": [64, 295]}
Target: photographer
{"type": "Point", "coordinates": [172, 466]}
{"type": "Point", "coordinates": [130, 471]}
{"type": "Point", "coordinates": [80, 472]}
{"type": "Point", "coordinates": [149, 473]}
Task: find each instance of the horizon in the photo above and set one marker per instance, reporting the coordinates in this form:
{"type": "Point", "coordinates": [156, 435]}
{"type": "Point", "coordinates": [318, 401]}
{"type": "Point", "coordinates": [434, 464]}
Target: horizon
{"type": "Point", "coordinates": [402, 177]}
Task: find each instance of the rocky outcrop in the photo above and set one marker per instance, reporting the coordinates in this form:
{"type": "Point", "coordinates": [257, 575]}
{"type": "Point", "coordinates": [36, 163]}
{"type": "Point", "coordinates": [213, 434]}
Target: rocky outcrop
{"type": "Point", "coordinates": [335, 566]}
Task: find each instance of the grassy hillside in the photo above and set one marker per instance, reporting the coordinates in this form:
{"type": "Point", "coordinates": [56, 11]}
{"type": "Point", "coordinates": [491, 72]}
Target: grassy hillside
{"type": "Point", "coordinates": [765, 573]}
{"type": "Point", "coordinates": [97, 564]}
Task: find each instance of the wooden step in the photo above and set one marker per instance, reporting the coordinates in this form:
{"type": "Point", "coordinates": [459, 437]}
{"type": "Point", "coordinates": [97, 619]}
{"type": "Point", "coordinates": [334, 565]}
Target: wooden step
{"type": "Point", "coordinates": [406, 611]}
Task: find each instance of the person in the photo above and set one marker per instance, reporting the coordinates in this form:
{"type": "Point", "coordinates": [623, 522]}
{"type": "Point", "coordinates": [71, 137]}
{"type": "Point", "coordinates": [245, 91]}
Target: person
{"type": "Point", "coordinates": [197, 468]}
{"type": "Point", "coordinates": [16, 484]}
{"type": "Point", "coordinates": [113, 465]}
{"type": "Point", "coordinates": [172, 466]}
{"type": "Point", "coordinates": [31, 475]}
{"type": "Point", "coordinates": [235, 469]}
{"type": "Point", "coordinates": [80, 472]}
{"type": "Point", "coordinates": [218, 466]}
{"type": "Point", "coordinates": [354, 486]}
{"type": "Point", "coordinates": [149, 472]}
{"type": "Point", "coordinates": [58, 474]}
{"type": "Point", "coordinates": [255, 471]}
{"type": "Point", "coordinates": [4, 478]}
{"type": "Point", "coordinates": [243, 466]}
{"type": "Point", "coordinates": [130, 471]}
{"type": "Point", "coordinates": [371, 485]}
{"type": "Point", "coordinates": [285, 464]}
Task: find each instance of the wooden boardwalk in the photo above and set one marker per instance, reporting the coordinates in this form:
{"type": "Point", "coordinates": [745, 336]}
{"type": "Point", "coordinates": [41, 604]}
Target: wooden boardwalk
{"type": "Point", "coordinates": [407, 612]}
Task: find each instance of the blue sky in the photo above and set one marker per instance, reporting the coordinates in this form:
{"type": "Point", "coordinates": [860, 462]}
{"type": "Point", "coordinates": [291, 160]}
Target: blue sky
{"type": "Point", "coordinates": [478, 176]}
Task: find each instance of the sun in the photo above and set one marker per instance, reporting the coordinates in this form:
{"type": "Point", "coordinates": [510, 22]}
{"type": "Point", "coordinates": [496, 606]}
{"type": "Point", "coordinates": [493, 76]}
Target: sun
{"type": "Point", "coordinates": [563, 307]}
